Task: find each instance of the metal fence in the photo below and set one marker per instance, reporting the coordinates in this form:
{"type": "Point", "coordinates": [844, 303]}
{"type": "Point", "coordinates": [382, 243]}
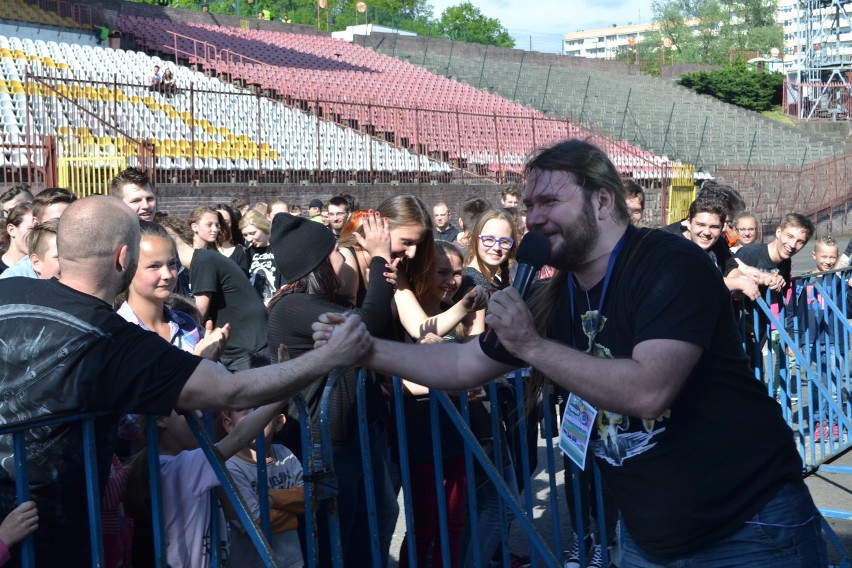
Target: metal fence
{"type": "Point", "coordinates": [206, 136]}
{"type": "Point", "coordinates": [820, 191]}
{"type": "Point", "coordinates": [499, 461]}
{"type": "Point", "coordinates": [818, 101]}
{"type": "Point", "coordinates": [83, 150]}
{"type": "Point", "coordinates": [209, 136]}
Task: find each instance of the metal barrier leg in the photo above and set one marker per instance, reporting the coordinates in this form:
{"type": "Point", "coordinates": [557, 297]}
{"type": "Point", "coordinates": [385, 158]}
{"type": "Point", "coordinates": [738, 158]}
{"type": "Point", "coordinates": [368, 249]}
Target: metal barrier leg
{"type": "Point", "coordinates": [93, 492]}
{"type": "Point", "coordinates": [22, 488]}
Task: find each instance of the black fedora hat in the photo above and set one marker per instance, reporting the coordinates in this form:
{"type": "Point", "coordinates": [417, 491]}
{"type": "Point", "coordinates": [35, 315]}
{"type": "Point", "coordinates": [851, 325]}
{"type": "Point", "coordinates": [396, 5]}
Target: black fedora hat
{"type": "Point", "coordinates": [299, 245]}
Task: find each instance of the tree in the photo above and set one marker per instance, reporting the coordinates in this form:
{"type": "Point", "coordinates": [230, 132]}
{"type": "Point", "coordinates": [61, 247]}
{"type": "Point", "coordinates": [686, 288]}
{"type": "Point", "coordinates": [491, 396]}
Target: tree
{"type": "Point", "coordinates": [736, 84]}
{"type": "Point", "coordinates": [467, 23]}
{"type": "Point", "coordinates": [411, 15]}
{"type": "Point", "coordinates": [705, 31]}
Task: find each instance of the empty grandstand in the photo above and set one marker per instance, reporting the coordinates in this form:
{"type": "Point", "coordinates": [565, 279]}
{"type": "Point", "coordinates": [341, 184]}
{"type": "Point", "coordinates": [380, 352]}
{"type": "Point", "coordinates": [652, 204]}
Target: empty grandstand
{"type": "Point", "coordinates": [650, 112]}
{"type": "Point", "coordinates": [423, 112]}
{"type": "Point", "coordinates": [262, 106]}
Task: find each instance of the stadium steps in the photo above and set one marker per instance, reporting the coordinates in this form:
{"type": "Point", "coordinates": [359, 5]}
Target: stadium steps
{"type": "Point", "coordinates": [659, 116]}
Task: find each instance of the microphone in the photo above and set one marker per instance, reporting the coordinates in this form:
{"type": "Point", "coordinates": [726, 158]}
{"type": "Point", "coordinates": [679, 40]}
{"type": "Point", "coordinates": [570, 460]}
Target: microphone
{"type": "Point", "coordinates": [533, 253]}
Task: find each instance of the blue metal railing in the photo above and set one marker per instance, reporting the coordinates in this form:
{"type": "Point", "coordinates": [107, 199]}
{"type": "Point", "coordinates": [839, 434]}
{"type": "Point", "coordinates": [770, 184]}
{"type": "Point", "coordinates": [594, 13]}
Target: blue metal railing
{"type": "Point", "coordinates": [321, 485]}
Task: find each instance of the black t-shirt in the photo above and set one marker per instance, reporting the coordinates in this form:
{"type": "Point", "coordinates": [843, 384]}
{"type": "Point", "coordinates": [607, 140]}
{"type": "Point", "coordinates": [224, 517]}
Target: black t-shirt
{"type": "Point", "coordinates": [263, 272]}
{"type": "Point", "coordinates": [450, 234]}
{"type": "Point", "coordinates": [695, 474]}
{"type": "Point", "coordinates": [240, 258]}
{"type": "Point", "coordinates": [233, 300]}
{"type": "Point", "coordinates": [65, 352]}
{"type": "Point", "coordinates": [757, 256]}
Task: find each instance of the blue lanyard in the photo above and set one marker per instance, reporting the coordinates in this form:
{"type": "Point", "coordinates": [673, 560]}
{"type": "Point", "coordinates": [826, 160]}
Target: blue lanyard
{"type": "Point", "coordinates": [609, 268]}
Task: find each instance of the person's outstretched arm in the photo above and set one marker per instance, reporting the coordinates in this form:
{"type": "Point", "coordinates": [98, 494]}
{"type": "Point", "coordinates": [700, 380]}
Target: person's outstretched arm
{"type": "Point", "coordinates": [444, 366]}
{"type": "Point", "coordinates": [212, 386]}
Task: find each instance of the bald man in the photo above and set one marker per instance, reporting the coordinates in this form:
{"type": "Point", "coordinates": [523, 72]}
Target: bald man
{"type": "Point", "coordinates": [65, 351]}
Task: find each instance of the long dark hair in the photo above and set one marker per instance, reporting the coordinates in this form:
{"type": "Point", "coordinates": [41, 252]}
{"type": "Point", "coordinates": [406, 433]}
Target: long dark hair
{"type": "Point", "coordinates": [321, 282]}
{"type": "Point", "coordinates": [591, 166]}
{"type": "Point", "coordinates": [402, 211]}
{"type": "Point", "coordinates": [234, 225]}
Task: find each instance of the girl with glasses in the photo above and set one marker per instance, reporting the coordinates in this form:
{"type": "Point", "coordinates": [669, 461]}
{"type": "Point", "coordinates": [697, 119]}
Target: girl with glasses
{"type": "Point", "coordinates": [492, 247]}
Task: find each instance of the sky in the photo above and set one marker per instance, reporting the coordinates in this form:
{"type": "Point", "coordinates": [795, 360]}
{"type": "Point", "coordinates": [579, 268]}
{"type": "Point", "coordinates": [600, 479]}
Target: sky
{"type": "Point", "coordinates": [543, 22]}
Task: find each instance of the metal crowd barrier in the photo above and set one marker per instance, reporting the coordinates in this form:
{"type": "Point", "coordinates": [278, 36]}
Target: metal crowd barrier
{"type": "Point", "coordinates": [544, 541]}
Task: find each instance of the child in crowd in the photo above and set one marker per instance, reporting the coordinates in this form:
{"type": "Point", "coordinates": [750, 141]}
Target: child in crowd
{"type": "Point", "coordinates": [18, 525]}
{"type": "Point", "coordinates": [820, 331]}
{"type": "Point", "coordinates": [431, 317]}
{"type": "Point", "coordinates": [187, 479]}
{"type": "Point", "coordinates": [42, 248]}
{"type": "Point", "coordinates": [286, 495]}
{"type": "Point", "coordinates": [145, 304]}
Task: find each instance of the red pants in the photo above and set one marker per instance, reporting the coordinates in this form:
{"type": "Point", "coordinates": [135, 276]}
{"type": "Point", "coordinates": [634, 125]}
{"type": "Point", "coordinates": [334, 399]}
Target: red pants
{"type": "Point", "coordinates": [425, 503]}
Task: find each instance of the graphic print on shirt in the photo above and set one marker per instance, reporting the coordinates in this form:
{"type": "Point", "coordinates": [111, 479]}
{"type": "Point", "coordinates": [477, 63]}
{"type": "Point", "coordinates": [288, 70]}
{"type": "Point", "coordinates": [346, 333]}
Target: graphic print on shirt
{"type": "Point", "coordinates": [38, 346]}
{"type": "Point", "coordinates": [263, 274]}
{"type": "Point", "coordinates": [616, 442]}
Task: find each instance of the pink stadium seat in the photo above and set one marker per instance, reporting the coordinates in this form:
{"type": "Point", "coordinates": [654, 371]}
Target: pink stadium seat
{"type": "Point", "coordinates": [316, 68]}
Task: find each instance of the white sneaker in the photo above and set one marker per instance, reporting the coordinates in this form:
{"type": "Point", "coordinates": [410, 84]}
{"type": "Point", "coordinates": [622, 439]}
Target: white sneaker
{"type": "Point", "coordinates": [573, 557]}
{"type": "Point", "coordinates": [595, 560]}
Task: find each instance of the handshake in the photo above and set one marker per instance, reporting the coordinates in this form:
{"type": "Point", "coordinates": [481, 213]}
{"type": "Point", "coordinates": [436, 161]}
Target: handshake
{"type": "Point", "coordinates": [343, 337]}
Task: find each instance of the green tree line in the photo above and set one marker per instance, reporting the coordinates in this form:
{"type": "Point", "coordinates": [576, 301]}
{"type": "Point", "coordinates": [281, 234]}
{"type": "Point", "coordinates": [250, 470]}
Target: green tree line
{"type": "Point", "coordinates": [464, 22]}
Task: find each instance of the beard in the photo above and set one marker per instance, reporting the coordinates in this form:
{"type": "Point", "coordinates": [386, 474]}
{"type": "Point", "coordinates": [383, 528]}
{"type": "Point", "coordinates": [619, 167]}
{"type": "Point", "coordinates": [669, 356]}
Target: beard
{"type": "Point", "coordinates": [578, 239]}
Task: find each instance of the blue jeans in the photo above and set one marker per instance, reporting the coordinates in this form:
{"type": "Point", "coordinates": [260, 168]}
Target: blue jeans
{"type": "Point", "coordinates": [488, 504]}
{"type": "Point", "coordinates": [786, 533]}
{"type": "Point", "coordinates": [826, 371]}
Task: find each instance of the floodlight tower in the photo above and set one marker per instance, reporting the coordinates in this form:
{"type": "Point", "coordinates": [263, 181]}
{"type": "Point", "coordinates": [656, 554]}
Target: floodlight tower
{"type": "Point", "coordinates": [824, 67]}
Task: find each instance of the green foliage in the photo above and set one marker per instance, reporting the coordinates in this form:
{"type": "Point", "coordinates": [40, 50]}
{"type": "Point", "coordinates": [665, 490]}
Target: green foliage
{"type": "Point", "coordinates": [736, 84]}
{"type": "Point", "coordinates": [464, 22]}
{"type": "Point", "coordinates": [722, 26]}
{"type": "Point", "coordinates": [467, 23]}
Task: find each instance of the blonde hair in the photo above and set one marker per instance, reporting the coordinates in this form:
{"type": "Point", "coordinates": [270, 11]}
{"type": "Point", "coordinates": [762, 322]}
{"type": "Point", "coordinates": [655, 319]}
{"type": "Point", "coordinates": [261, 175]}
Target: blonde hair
{"type": "Point", "coordinates": [256, 218]}
{"type": "Point", "coordinates": [195, 217]}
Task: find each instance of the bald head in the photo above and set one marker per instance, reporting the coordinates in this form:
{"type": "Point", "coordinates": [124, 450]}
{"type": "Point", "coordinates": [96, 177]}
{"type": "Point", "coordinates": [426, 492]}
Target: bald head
{"type": "Point", "coordinates": [98, 245]}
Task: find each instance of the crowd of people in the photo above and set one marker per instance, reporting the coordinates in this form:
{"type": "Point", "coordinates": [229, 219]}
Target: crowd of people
{"type": "Point", "coordinates": [244, 305]}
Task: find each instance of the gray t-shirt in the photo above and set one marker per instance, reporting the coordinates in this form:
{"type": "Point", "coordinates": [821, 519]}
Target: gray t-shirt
{"type": "Point", "coordinates": [284, 472]}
